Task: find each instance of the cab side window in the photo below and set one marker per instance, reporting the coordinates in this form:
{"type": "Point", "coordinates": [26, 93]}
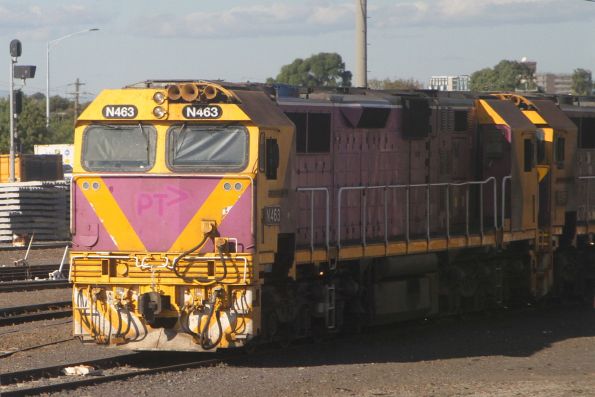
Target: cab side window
{"type": "Point", "coordinates": [268, 157]}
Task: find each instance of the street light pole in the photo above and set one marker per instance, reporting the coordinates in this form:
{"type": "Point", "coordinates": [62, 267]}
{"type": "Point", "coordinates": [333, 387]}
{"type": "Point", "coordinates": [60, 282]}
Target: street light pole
{"type": "Point", "coordinates": [50, 44]}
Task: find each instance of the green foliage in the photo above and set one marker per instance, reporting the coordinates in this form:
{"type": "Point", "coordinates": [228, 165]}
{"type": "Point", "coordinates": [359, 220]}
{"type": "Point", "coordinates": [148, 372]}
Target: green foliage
{"type": "Point", "coordinates": [582, 82]}
{"type": "Point", "coordinates": [4, 126]}
{"type": "Point", "coordinates": [505, 76]}
{"type": "Point", "coordinates": [320, 70]}
{"type": "Point", "coordinates": [397, 84]}
{"type": "Point", "coordinates": [30, 126]}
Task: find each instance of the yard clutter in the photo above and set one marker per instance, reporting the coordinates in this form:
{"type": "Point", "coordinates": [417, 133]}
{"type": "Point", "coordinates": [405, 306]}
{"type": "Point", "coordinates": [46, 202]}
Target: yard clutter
{"type": "Point", "coordinates": [34, 208]}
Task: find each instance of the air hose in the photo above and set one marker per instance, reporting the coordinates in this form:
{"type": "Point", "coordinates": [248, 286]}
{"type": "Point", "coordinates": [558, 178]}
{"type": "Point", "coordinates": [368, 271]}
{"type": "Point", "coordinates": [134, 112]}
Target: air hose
{"type": "Point", "coordinates": [211, 234]}
{"type": "Point", "coordinates": [205, 342]}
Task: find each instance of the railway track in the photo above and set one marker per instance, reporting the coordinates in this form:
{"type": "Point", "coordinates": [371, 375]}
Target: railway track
{"type": "Point", "coordinates": [32, 285]}
{"type": "Point", "coordinates": [43, 311]}
{"type": "Point", "coordinates": [51, 379]}
{"type": "Point", "coordinates": [12, 273]}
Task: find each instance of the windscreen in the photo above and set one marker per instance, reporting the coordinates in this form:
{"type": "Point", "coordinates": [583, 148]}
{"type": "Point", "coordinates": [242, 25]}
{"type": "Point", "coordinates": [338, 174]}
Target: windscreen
{"type": "Point", "coordinates": [119, 148]}
{"type": "Point", "coordinates": [207, 147]}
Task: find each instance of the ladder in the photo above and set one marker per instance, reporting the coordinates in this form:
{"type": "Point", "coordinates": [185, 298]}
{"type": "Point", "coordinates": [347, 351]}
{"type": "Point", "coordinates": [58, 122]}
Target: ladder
{"type": "Point", "coordinates": [331, 312]}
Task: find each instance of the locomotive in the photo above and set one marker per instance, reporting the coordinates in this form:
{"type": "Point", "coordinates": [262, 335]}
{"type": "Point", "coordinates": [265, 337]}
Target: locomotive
{"type": "Point", "coordinates": [210, 215]}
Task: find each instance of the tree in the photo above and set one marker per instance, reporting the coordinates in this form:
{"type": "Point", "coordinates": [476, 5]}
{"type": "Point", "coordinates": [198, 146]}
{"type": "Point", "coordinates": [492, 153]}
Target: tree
{"type": "Point", "coordinates": [397, 84]}
{"type": "Point", "coordinates": [582, 82]}
{"type": "Point", "coordinates": [320, 70]}
{"type": "Point", "coordinates": [30, 127]}
{"type": "Point", "coordinates": [505, 76]}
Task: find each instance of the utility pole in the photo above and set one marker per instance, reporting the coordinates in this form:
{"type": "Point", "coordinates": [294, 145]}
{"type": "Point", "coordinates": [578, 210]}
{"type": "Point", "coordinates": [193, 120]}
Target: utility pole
{"type": "Point", "coordinates": [77, 85]}
{"type": "Point", "coordinates": [361, 43]}
{"type": "Point", "coordinates": [50, 45]}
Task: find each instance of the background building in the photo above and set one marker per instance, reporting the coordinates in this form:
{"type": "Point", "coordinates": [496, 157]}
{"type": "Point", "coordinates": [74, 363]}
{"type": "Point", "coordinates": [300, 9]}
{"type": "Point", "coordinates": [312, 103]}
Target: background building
{"type": "Point", "coordinates": [449, 83]}
{"type": "Point", "coordinates": [554, 83]}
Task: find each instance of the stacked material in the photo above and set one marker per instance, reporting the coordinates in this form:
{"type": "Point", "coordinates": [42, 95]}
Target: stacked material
{"type": "Point", "coordinates": [40, 208]}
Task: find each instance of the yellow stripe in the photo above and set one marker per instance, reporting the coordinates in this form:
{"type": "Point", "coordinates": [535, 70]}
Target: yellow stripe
{"type": "Point", "coordinates": [548, 134]}
{"type": "Point", "coordinates": [215, 208]}
{"type": "Point", "coordinates": [109, 213]}
{"type": "Point", "coordinates": [534, 117]}
{"type": "Point", "coordinates": [490, 116]}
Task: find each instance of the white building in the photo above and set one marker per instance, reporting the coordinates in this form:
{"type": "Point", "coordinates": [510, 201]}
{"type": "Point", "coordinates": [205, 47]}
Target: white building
{"type": "Point", "coordinates": [449, 83]}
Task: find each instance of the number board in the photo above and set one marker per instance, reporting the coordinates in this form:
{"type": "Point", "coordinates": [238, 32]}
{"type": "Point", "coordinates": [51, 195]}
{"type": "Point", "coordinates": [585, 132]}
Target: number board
{"type": "Point", "coordinates": [202, 112]}
{"type": "Point", "coordinates": [120, 111]}
{"type": "Point", "coordinates": [272, 215]}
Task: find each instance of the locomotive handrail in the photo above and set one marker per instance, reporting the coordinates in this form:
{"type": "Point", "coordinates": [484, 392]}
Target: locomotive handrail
{"type": "Point", "coordinates": [506, 178]}
{"type": "Point", "coordinates": [427, 186]}
{"type": "Point", "coordinates": [312, 190]}
{"type": "Point", "coordinates": [144, 265]}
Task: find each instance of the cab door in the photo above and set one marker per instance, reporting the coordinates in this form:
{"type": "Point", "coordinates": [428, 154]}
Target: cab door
{"type": "Point", "coordinates": [524, 183]}
{"type": "Point", "coordinates": [275, 200]}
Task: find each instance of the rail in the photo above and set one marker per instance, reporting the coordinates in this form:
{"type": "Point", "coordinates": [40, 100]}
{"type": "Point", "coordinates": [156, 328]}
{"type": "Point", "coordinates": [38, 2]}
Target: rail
{"type": "Point", "coordinates": [313, 190]}
{"type": "Point", "coordinates": [428, 186]}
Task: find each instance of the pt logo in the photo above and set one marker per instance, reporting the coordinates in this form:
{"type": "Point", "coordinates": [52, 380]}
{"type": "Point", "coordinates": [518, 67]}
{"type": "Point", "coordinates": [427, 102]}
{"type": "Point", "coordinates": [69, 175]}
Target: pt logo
{"type": "Point", "coordinates": [157, 202]}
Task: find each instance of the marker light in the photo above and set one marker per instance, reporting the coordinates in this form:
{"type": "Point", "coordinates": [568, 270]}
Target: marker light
{"type": "Point", "coordinates": [159, 112]}
{"type": "Point", "coordinates": [159, 97]}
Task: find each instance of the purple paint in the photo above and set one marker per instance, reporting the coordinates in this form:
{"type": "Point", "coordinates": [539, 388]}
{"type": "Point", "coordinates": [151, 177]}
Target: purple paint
{"type": "Point", "coordinates": [159, 209]}
{"type": "Point", "coordinates": [89, 231]}
{"type": "Point", "coordinates": [237, 223]}
{"type": "Point", "coordinates": [159, 201]}
{"type": "Point", "coordinates": [143, 202]}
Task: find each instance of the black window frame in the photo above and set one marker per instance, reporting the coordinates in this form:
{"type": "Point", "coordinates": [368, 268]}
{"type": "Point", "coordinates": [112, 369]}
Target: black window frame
{"type": "Point", "coordinates": [586, 132]}
{"type": "Point", "coordinates": [150, 129]}
{"type": "Point", "coordinates": [201, 168]}
{"type": "Point", "coordinates": [528, 154]}
{"type": "Point", "coordinates": [559, 151]}
{"type": "Point", "coordinates": [304, 129]}
{"type": "Point", "coordinates": [460, 120]}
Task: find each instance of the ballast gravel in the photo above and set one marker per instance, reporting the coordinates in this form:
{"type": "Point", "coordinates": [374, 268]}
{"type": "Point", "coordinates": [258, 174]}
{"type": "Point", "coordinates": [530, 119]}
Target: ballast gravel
{"type": "Point", "coordinates": [541, 352]}
{"type": "Point", "coordinates": [534, 352]}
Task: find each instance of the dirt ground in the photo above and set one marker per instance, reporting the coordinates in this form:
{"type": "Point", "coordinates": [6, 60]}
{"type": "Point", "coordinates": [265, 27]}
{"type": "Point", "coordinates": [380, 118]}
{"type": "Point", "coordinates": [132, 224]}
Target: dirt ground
{"type": "Point", "coordinates": [536, 352]}
{"type": "Point", "coordinates": [37, 255]}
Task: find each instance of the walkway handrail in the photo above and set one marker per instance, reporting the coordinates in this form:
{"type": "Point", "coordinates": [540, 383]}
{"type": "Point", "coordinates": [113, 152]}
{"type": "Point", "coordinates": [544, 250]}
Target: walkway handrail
{"type": "Point", "coordinates": [312, 190]}
{"type": "Point", "coordinates": [427, 186]}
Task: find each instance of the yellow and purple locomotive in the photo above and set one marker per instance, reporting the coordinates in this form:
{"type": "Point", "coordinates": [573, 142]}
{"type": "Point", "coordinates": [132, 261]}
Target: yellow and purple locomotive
{"type": "Point", "coordinates": [209, 215]}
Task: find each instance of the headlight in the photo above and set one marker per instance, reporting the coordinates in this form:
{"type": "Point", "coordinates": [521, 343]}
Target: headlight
{"type": "Point", "coordinates": [159, 112]}
{"type": "Point", "coordinates": [159, 97]}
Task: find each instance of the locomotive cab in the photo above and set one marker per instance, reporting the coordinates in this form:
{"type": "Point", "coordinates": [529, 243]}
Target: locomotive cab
{"type": "Point", "coordinates": [173, 182]}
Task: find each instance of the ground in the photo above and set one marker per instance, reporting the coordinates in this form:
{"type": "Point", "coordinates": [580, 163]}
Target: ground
{"type": "Point", "coordinates": [535, 351]}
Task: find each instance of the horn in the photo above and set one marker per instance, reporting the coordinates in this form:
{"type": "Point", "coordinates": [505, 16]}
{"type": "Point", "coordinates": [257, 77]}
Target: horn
{"type": "Point", "coordinates": [173, 92]}
{"type": "Point", "coordinates": [210, 92]}
{"type": "Point", "coordinates": [189, 92]}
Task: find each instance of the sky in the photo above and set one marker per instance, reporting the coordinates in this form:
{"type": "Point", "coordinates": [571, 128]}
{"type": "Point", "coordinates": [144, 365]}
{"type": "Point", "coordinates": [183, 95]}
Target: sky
{"type": "Point", "coordinates": [245, 40]}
